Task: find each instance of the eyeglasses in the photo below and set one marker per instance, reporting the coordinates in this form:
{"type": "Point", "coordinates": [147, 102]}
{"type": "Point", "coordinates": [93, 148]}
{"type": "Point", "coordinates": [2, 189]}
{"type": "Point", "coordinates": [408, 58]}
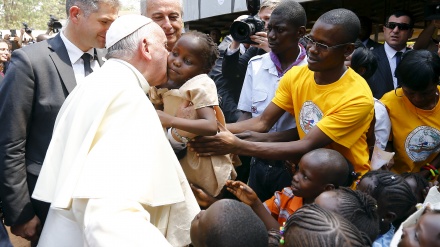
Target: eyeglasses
{"type": "Point", "coordinates": [401, 26]}
{"type": "Point", "coordinates": [320, 46]}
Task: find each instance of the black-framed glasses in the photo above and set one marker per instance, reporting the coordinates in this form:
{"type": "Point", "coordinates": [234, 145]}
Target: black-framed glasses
{"type": "Point", "coordinates": [401, 26]}
{"type": "Point", "coordinates": [320, 46]}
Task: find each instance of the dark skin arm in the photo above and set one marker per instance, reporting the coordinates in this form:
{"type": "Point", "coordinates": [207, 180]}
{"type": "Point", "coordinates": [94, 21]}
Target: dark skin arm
{"type": "Point", "coordinates": [205, 125]}
{"type": "Point", "coordinates": [262, 123]}
{"type": "Point", "coordinates": [249, 197]}
{"type": "Point", "coordinates": [280, 136]}
{"type": "Point", "coordinates": [225, 142]}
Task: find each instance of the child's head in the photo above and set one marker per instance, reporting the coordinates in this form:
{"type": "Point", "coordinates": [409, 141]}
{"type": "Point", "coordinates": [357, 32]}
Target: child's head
{"type": "Point", "coordinates": [426, 232]}
{"type": "Point", "coordinates": [417, 183]}
{"type": "Point", "coordinates": [363, 62]}
{"type": "Point", "coordinates": [312, 225]}
{"type": "Point", "coordinates": [395, 199]}
{"type": "Point", "coordinates": [228, 223]}
{"type": "Point", "coordinates": [320, 170]}
{"type": "Point", "coordinates": [355, 206]}
{"type": "Point", "coordinates": [193, 54]}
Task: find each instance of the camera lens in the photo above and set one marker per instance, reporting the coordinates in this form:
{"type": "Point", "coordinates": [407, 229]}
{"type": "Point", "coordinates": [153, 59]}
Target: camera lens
{"type": "Point", "coordinates": [241, 31]}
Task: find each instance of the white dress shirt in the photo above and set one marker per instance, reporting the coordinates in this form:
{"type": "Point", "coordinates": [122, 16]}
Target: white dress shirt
{"type": "Point", "coordinates": [391, 55]}
{"type": "Point", "coordinates": [75, 58]}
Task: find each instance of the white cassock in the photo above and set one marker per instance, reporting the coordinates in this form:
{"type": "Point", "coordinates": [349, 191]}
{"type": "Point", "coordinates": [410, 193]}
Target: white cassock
{"type": "Point", "coordinates": [110, 173]}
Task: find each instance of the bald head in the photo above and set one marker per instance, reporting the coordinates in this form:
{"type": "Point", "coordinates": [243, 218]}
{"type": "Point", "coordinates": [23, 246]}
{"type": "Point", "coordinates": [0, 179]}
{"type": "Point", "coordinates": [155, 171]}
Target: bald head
{"type": "Point", "coordinates": [168, 15]}
{"type": "Point", "coordinates": [331, 163]}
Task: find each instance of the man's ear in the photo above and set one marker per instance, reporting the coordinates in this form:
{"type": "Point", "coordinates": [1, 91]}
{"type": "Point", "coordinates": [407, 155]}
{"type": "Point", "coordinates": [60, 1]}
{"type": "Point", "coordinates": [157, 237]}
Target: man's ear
{"type": "Point", "coordinates": [329, 187]}
{"type": "Point", "coordinates": [74, 12]}
{"type": "Point", "coordinates": [411, 32]}
{"type": "Point", "coordinates": [301, 31]}
{"type": "Point", "coordinates": [349, 49]}
{"type": "Point", "coordinates": [390, 216]}
{"type": "Point", "coordinates": [145, 49]}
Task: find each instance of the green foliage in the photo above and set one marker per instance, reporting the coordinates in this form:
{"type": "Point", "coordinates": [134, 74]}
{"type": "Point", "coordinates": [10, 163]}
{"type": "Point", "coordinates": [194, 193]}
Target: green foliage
{"type": "Point", "coordinates": [34, 12]}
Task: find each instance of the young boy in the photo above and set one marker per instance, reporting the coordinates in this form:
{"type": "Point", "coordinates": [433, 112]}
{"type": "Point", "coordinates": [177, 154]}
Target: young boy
{"type": "Point", "coordinates": [318, 171]}
{"type": "Point", "coordinates": [228, 223]}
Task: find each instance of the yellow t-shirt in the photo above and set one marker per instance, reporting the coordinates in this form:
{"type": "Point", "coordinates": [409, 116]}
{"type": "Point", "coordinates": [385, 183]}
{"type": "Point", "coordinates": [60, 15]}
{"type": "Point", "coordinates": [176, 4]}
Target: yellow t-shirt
{"type": "Point", "coordinates": [342, 110]}
{"type": "Point", "coordinates": [415, 132]}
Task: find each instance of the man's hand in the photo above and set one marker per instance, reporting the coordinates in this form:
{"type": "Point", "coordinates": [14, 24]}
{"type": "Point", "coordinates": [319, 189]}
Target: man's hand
{"type": "Point", "coordinates": [203, 199]}
{"type": "Point", "coordinates": [261, 39]}
{"type": "Point", "coordinates": [30, 230]}
{"type": "Point", "coordinates": [242, 192]}
{"type": "Point", "coordinates": [222, 143]}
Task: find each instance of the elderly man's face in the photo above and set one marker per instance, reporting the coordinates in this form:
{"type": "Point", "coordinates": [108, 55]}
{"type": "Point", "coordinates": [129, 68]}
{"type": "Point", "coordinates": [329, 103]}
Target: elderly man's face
{"type": "Point", "coordinates": [157, 46]}
{"type": "Point", "coordinates": [168, 14]}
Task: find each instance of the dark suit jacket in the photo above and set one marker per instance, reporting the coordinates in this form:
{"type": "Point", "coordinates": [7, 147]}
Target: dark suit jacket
{"type": "Point", "coordinates": [382, 80]}
{"type": "Point", "coordinates": [234, 66]}
{"type": "Point", "coordinates": [371, 44]}
{"type": "Point", "coordinates": [39, 78]}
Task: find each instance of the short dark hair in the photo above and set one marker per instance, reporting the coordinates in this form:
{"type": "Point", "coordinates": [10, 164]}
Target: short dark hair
{"type": "Point", "coordinates": [312, 225]}
{"type": "Point", "coordinates": [399, 13]}
{"type": "Point", "coordinates": [292, 11]}
{"type": "Point", "coordinates": [360, 209]}
{"type": "Point", "coordinates": [345, 18]}
{"type": "Point", "coordinates": [418, 69]}
{"type": "Point", "coordinates": [363, 57]}
{"type": "Point", "coordinates": [393, 190]}
{"type": "Point", "coordinates": [239, 226]}
{"type": "Point", "coordinates": [209, 52]}
{"type": "Point", "coordinates": [421, 184]}
{"type": "Point", "coordinates": [89, 6]}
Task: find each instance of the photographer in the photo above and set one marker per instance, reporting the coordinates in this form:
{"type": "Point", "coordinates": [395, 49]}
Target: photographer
{"type": "Point", "coordinates": [53, 25]}
{"type": "Point", "coordinates": [234, 66]}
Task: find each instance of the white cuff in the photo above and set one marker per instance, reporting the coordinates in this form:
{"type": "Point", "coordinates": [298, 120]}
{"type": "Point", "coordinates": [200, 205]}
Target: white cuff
{"type": "Point", "coordinates": [176, 145]}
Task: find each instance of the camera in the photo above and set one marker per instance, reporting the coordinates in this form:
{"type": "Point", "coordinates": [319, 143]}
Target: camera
{"type": "Point", "coordinates": [54, 24]}
{"type": "Point", "coordinates": [26, 28]}
{"type": "Point", "coordinates": [243, 29]}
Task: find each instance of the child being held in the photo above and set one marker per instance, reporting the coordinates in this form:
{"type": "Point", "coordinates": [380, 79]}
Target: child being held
{"type": "Point", "coordinates": [191, 58]}
{"type": "Point", "coordinates": [318, 171]}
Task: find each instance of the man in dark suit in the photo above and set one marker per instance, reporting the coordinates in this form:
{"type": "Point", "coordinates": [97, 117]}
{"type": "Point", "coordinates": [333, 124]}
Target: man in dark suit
{"type": "Point", "coordinates": [397, 30]}
{"type": "Point", "coordinates": [39, 79]}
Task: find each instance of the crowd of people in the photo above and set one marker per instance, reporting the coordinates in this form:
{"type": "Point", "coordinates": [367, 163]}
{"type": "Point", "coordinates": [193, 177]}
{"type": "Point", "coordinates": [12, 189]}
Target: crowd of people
{"type": "Point", "coordinates": [128, 131]}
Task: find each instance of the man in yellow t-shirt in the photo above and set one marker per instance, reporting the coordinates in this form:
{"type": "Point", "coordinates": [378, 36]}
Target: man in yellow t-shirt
{"type": "Point", "coordinates": [332, 105]}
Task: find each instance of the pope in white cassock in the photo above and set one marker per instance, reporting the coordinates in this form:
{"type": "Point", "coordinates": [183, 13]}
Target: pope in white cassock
{"type": "Point", "coordinates": [110, 174]}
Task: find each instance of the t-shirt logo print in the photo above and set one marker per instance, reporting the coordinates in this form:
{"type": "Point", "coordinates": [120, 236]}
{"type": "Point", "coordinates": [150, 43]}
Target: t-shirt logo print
{"type": "Point", "coordinates": [422, 142]}
{"type": "Point", "coordinates": [309, 116]}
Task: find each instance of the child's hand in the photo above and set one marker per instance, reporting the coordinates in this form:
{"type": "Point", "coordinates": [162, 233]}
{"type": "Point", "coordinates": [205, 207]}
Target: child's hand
{"type": "Point", "coordinates": [242, 192]}
{"type": "Point", "coordinates": [203, 199]}
{"type": "Point", "coordinates": [165, 119]}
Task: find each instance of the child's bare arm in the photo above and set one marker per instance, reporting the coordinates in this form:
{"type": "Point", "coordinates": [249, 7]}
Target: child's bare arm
{"type": "Point", "coordinates": [205, 125]}
{"type": "Point", "coordinates": [249, 197]}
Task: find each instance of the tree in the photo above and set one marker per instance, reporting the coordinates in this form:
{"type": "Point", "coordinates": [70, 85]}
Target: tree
{"type": "Point", "coordinates": [34, 12]}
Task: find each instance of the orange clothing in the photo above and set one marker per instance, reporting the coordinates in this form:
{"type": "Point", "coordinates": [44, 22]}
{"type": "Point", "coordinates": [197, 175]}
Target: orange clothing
{"type": "Point", "coordinates": [283, 204]}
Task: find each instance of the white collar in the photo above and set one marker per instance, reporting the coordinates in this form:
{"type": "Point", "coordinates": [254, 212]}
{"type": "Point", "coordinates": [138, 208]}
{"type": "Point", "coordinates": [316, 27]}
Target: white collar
{"type": "Point", "coordinates": [74, 52]}
{"type": "Point", "coordinates": [390, 51]}
{"type": "Point", "coordinates": [141, 79]}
